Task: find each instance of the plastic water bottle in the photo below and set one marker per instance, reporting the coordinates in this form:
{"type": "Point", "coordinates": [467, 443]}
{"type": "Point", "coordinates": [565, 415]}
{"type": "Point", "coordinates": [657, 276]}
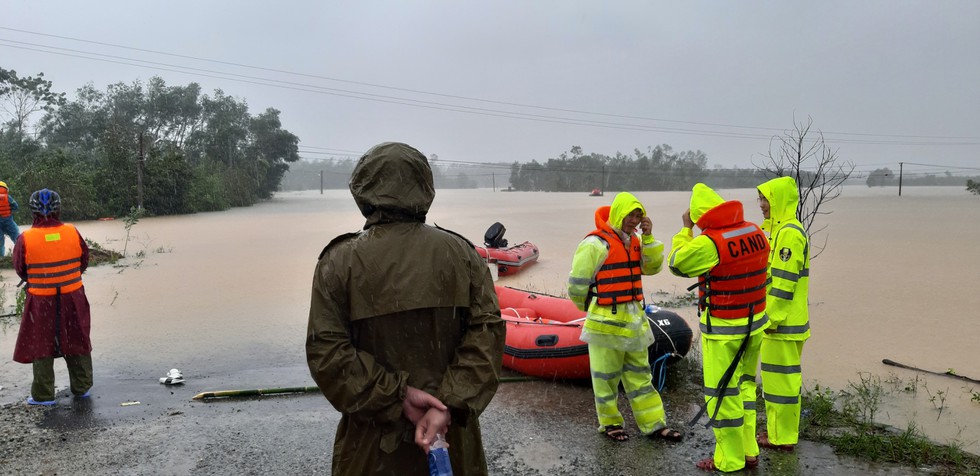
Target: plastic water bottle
{"type": "Point", "coordinates": [439, 458]}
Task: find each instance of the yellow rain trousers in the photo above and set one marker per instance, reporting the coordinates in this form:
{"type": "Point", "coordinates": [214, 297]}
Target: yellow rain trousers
{"type": "Point", "coordinates": [609, 368]}
{"type": "Point", "coordinates": [782, 380]}
{"type": "Point", "coordinates": [734, 425]}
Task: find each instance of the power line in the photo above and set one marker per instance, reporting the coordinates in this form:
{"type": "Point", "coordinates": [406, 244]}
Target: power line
{"type": "Point", "coordinates": [942, 166]}
{"type": "Point", "coordinates": [468, 98]}
{"type": "Point", "coordinates": [452, 107]}
{"type": "Point", "coordinates": [376, 97]}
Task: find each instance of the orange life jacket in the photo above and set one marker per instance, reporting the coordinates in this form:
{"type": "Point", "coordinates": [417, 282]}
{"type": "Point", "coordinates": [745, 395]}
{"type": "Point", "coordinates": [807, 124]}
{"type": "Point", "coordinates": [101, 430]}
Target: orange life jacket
{"type": "Point", "coordinates": [736, 287]}
{"type": "Point", "coordinates": [4, 203]}
{"type": "Point", "coordinates": [619, 277]}
{"type": "Point", "coordinates": [53, 256]}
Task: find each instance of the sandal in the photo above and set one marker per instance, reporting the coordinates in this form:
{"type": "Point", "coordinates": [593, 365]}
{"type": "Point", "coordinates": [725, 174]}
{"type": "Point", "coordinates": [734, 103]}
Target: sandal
{"type": "Point", "coordinates": [763, 440]}
{"type": "Point", "coordinates": [668, 434]}
{"type": "Point", "coordinates": [616, 433]}
{"type": "Point", "coordinates": [708, 464]}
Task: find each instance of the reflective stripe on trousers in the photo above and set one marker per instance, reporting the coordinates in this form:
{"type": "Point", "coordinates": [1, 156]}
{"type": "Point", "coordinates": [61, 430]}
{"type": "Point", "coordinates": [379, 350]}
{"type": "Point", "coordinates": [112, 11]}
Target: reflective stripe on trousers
{"type": "Point", "coordinates": [782, 381]}
{"type": "Point", "coordinates": [734, 427]}
{"type": "Point", "coordinates": [609, 367]}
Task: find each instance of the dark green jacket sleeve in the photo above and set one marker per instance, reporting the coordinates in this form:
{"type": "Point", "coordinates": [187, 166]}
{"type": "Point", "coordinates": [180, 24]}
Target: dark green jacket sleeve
{"type": "Point", "coordinates": [472, 378]}
{"type": "Point", "coordinates": [352, 381]}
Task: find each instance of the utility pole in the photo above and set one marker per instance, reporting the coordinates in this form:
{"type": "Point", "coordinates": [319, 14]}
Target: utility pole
{"type": "Point", "coordinates": [139, 176]}
{"type": "Point", "coordinates": [602, 189]}
{"type": "Point", "coordinates": [493, 178]}
{"type": "Point", "coordinates": [900, 179]}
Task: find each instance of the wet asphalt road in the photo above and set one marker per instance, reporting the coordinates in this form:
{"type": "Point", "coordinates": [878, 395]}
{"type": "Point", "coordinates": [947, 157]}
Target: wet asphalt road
{"type": "Point", "coordinates": [530, 428]}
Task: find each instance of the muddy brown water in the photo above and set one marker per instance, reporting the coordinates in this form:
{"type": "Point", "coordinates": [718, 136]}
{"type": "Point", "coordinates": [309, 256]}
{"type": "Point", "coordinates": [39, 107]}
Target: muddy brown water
{"type": "Point", "coordinates": [224, 296]}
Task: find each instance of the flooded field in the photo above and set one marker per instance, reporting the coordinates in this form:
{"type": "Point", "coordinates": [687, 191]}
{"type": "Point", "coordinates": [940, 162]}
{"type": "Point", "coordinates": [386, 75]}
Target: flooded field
{"type": "Point", "coordinates": [224, 296]}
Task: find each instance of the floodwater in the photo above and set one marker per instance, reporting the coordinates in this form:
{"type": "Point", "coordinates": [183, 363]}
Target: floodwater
{"type": "Point", "coordinates": [224, 296]}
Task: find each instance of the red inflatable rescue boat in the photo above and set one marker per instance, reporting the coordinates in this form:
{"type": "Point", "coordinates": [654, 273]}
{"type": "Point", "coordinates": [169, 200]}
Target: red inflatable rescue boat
{"type": "Point", "coordinates": [510, 260]}
{"type": "Point", "coordinates": [543, 335]}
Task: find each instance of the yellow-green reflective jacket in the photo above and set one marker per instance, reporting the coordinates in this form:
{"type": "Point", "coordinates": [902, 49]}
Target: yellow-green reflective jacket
{"type": "Point", "coordinates": [626, 328]}
{"type": "Point", "coordinates": [789, 262]}
{"type": "Point", "coordinates": [692, 256]}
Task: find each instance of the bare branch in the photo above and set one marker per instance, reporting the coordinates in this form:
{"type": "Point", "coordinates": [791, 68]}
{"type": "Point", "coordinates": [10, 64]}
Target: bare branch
{"type": "Point", "coordinates": [819, 174]}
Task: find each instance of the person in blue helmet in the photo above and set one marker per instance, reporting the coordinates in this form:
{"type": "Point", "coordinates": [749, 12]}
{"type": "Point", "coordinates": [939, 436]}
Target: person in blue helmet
{"type": "Point", "coordinates": [51, 257]}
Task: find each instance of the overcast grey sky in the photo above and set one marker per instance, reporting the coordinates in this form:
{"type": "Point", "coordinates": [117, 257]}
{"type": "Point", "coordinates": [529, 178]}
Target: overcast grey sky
{"type": "Point", "coordinates": [885, 81]}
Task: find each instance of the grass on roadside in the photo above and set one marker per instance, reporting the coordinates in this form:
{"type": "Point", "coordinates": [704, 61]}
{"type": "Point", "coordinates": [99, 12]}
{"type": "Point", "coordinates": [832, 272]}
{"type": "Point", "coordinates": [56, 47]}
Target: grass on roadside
{"type": "Point", "coordinates": [845, 421]}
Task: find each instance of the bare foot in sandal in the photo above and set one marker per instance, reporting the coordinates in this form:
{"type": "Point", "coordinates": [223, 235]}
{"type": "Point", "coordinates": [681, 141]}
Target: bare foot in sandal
{"type": "Point", "coordinates": [668, 434]}
{"type": "Point", "coordinates": [616, 433]}
{"type": "Point", "coordinates": [708, 464]}
{"type": "Point", "coordinates": [763, 440]}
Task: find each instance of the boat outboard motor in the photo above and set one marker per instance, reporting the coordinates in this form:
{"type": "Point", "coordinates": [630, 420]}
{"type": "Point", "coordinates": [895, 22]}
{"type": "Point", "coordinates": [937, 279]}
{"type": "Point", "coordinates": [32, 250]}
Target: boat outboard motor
{"type": "Point", "coordinates": [494, 237]}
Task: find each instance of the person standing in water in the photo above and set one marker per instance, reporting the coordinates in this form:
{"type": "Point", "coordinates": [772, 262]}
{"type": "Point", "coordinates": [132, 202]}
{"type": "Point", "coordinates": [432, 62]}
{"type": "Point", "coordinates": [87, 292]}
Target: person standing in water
{"type": "Point", "coordinates": [608, 266]}
{"type": "Point", "coordinates": [729, 260]}
{"type": "Point", "coordinates": [786, 304]}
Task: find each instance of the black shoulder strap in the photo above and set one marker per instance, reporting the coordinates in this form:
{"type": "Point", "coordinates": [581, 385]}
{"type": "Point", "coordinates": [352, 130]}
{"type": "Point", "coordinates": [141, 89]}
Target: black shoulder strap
{"type": "Point", "coordinates": [344, 237]}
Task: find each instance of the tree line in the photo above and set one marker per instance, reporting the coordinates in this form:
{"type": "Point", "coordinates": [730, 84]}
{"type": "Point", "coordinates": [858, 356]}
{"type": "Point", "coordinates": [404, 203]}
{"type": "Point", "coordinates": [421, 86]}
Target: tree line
{"type": "Point", "coordinates": [335, 173]}
{"type": "Point", "coordinates": [174, 149]}
{"type": "Point", "coordinates": [658, 168]}
{"type": "Point", "coordinates": [884, 177]}
{"type": "Point", "coordinates": [167, 149]}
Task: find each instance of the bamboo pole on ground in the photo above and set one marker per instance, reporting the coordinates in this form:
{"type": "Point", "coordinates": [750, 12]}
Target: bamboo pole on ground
{"type": "Point", "coordinates": [252, 392]}
{"type": "Point", "coordinates": [286, 390]}
{"type": "Point", "coordinates": [948, 373]}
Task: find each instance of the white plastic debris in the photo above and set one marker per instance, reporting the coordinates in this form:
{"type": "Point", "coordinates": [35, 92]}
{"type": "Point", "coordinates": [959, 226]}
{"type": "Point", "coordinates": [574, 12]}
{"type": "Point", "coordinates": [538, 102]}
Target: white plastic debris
{"type": "Point", "coordinates": [173, 377]}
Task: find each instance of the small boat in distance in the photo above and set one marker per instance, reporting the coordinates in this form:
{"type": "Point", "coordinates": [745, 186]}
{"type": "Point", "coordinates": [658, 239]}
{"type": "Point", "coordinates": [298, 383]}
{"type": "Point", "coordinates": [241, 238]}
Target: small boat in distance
{"type": "Point", "coordinates": [595, 193]}
{"type": "Point", "coordinates": [509, 260]}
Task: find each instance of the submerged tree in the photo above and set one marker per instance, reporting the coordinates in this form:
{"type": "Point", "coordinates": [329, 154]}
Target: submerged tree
{"type": "Point", "coordinates": [973, 187]}
{"type": "Point", "coordinates": [880, 177]}
{"type": "Point", "coordinates": [819, 172]}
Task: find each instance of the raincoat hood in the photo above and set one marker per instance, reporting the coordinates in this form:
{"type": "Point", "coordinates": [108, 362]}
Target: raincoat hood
{"type": "Point", "coordinates": [783, 197]}
{"type": "Point", "coordinates": [703, 198]}
{"type": "Point", "coordinates": [623, 204]}
{"type": "Point", "coordinates": [392, 182]}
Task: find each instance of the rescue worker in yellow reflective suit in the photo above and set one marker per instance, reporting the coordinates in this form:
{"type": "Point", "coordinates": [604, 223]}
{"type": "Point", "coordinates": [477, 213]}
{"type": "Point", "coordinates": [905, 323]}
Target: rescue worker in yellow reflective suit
{"type": "Point", "coordinates": [729, 260]}
{"type": "Point", "coordinates": [606, 282]}
{"type": "Point", "coordinates": [786, 304]}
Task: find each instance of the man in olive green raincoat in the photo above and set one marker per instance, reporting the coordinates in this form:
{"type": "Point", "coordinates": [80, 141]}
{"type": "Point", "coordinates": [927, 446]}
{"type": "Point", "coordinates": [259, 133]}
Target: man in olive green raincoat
{"type": "Point", "coordinates": [405, 335]}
